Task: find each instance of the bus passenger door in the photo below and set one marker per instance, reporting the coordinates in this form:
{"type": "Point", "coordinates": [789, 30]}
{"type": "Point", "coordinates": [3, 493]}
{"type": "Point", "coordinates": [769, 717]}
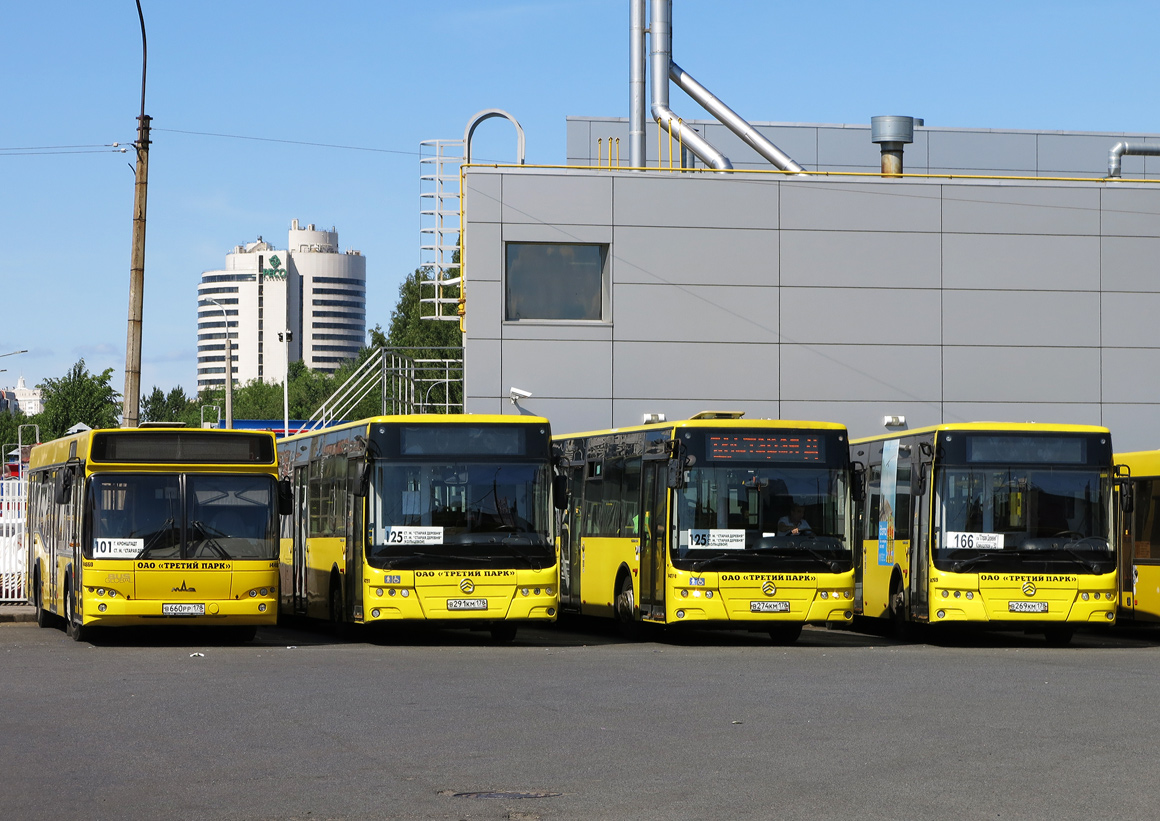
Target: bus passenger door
{"type": "Point", "coordinates": [920, 542]}
{"type": "Point", "coordinates": [301, 529]}
{"type": "Point", "coordinates": [654, 493]}
{"type": "Point", "coordinates": [570, 552]}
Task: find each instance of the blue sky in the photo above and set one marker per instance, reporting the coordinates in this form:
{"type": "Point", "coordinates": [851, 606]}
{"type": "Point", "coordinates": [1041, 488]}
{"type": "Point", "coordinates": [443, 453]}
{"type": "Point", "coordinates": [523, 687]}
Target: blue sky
{"type": "Point", "coordinates": [382, 76]}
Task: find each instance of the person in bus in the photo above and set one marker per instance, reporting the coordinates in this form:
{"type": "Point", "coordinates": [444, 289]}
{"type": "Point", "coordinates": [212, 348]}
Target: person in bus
{"type": "Point", "coordinates": [793, 524]}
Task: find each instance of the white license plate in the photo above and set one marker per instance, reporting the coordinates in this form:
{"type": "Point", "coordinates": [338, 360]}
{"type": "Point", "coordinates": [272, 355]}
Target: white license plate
{"type": "Point", "coordinates": [1027, 607]}
{"type": "Point", "coordinates": [769, 607]}
{"type": "Point", "coordinates": [467, 604]}
{"type": "Point", "coordinates": [183, 609]}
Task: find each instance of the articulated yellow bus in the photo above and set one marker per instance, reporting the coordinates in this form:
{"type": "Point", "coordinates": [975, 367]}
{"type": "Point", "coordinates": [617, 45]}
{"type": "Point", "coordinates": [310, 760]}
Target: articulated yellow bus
{"type": "Point", "coordinates": [1000, 525]}
{"type": "Point", "coordinates": [715, 521]}
{"type": "Point", "coordinates": [422, 518]}
{"type": "Point", "coordinates": [1140, 547]}
{"type": "Point", "coordinates": [154, 526]}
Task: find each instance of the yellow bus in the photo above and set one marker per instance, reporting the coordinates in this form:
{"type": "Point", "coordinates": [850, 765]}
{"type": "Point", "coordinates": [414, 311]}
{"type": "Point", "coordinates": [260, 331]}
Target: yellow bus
{"type": "Point", "coordinates": [715, 521]}
{"type": "Point", "coordinates": [436, 518]}
{"type": "Point", "coordinates": [1140, 547]}
{"type": "Point", "coordinates": [154, 526]}
{"type": "Point", "coordinates": [1002, 525]}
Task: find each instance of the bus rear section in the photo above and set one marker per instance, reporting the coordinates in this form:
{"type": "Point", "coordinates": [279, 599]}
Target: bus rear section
{"type": "Point", "coordinates": [1139, 595]}
{"type": "Point", "coordinates": [439, 519]}
{"type": "Point", "coordinates": [997, 525]}
{"type": "Point", "coordinates": [155, 527]}
{"type": "Point", "coordinates": [715, 522]}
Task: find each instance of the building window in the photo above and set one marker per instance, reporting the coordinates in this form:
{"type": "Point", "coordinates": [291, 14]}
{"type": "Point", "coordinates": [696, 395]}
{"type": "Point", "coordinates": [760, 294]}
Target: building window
{"type": "Point", "coordinates": [556, 281]}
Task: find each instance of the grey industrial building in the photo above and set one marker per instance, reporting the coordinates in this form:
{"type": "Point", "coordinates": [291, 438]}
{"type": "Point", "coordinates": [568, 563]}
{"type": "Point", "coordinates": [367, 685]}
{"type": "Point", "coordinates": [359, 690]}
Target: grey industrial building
{"type": "Point", "coordinates": [1004, 276]}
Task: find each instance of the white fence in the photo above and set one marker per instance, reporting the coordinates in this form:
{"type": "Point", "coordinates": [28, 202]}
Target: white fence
{"type": "Point", "coordinates": [13, 497]}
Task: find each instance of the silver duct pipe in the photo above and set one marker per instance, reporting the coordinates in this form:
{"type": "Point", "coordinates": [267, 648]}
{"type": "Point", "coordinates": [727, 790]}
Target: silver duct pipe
{"type": "Point", "coordinates": [731, 119]}
{"type": "Point", "coordinates": [661, 58]}
{"type": "Point", "coordinates": [1134, 149]}
{"type": "Point", "coordinates": [636, 78]}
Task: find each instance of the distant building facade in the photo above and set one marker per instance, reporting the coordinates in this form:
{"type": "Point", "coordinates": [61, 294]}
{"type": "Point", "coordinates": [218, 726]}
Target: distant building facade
{"type": "Point", "coordinates": [21, 398]}
{"type": "Point", "coordinates": [308, 288]}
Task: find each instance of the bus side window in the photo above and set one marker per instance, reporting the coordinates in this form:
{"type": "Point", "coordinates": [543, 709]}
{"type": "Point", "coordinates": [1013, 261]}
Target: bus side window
{"type": "Point", "coordinates": [1146, 519]}
{"type": "Point", "coordinates": [873, 502]}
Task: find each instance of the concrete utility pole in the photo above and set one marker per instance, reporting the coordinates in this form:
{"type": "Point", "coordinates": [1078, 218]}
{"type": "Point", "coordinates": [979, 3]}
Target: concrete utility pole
{"type": "Point", "coordinates": [132, 398]}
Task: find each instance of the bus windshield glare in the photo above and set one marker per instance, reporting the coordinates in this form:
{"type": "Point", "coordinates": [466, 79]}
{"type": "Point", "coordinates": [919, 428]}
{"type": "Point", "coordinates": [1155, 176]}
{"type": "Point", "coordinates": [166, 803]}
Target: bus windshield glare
{"type": "Point", "coordinates": [182, 516]}
{"type": "Point", "coordinates": [1010, 517]}
{"type": "Point", "coordinates": [449, 511]}
{"type": "Point", "coordinates": [788, 516]}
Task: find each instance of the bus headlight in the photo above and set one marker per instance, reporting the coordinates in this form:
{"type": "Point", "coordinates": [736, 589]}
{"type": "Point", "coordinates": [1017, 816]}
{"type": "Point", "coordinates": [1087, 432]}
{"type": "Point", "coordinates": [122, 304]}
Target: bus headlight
{"type": "Point", "coordinates": [253, 593]}
{"type": "Point", "coordinates": [102, 607]}
{"type": "Point", "coordinates": [825, 594]}
{"type": "Point", "coordinates": [379, 592]}
{"type": "Point", "coordinates": [262, 607]}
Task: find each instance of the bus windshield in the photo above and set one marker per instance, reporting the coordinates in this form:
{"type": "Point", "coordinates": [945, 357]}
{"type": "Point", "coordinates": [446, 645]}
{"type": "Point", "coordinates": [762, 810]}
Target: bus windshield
{"type": "Point", "coordinates": [182, 516]}
{"type": "Point", "coordinates": [1032, 518]}
{"type": "Point", "coordinates": [440, 514]}
{"type": "Point", "coordinates": [791, 518]}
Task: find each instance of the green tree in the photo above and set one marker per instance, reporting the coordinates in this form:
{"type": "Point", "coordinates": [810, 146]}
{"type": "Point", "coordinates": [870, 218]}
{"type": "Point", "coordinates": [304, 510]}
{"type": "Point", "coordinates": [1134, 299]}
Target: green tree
{"type": "Point", "coordinates": [409, 330]}
{"type": "Point", "coordinates": [161, 407]}
{"type": "Point", "coordinates": [9, 431]}
{"type": "Point", "coordinates": [78, 397]}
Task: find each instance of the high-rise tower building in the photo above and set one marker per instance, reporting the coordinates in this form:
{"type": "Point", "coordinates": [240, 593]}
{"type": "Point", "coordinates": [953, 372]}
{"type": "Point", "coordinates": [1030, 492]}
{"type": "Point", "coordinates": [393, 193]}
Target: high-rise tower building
{"type": "Point", "coordinates": [309, 288]}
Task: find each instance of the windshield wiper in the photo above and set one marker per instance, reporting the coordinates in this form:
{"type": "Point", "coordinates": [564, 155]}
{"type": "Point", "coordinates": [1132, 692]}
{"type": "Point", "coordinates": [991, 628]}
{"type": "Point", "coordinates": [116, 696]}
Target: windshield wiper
{"type": "Point", "coordinates": [834, 564]}
{"type": "Point", "coordinates": [723, 557]}
{"type": "Point", "coordinates": [963, 564]}
{"type": "Point", "coordinates": [166, 527]}
{"type": "Point", "coordinates": [209, 539]}
{"type": "Point", "coordinates": [412, 557]}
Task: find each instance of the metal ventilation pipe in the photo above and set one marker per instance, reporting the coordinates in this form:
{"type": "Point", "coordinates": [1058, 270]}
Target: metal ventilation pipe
{"type": "Point", "coordinates": [636, 92]}
{"type": "Point", "coordinates": [661, 58]}
{"type": "Point", "coordinates": [892, 133]}
{"type": "Point", "coordinates": [731, 119]}
{"type": "Point", "coordinates": [1133, 149]}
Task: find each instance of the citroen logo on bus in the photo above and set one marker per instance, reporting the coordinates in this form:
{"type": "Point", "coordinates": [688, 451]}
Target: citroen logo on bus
{"type": "Point", "coordinates": [769, 588]}
{"type": "Point", "coordinates": [467, 586]}
{"type": "Point", "coordinates": [1028, 589]}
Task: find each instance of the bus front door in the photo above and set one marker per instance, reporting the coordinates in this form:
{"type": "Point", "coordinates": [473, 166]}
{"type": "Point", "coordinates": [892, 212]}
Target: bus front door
{"type": "Point", "coordinates": [301, 529]}
{"type": "Point", "coordinates": [654, 493]}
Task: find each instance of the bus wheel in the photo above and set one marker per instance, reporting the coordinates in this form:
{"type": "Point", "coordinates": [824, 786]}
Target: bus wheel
{"type": "Point", "coordinates": [1059, 635]}
{"type": "Point", "coordinates": [783, 634]}
{"type": "Point", "coordinates": [71, 627]}
{"type": "Point", "coordinates": [503, 633]}
{"type": "Point", "coordinates": [336, 618]}
{"type": "Point", "coordinates": [43, 617]}
{"type": "Point", "coordinates": [899, 626]}
{"type": "Point", "coordinates": [626, 609]}
{"type": "Point", "coordinates": [242, 635]}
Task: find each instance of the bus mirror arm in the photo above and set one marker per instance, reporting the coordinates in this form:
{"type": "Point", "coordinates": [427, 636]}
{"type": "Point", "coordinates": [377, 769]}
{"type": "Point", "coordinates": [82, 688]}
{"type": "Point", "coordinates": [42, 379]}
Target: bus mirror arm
{"type": "Point", "coordinates": [678, 462]}
{"type": "Point", "coordinates": [285, 497]}
{"type": "Point", "coordinates": [1126, 488]}
{"type": "Point", "coordinates": [364, 479]}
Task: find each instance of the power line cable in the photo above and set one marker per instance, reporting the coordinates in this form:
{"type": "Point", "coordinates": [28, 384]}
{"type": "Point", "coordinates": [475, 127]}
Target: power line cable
{"type": "Point", "coordinates": [290, 142]}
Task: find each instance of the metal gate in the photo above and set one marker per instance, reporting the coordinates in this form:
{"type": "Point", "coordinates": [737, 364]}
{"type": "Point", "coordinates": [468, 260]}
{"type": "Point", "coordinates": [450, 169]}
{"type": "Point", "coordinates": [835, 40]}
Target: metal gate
{"type": "Point", "coordinates": [13, 498]}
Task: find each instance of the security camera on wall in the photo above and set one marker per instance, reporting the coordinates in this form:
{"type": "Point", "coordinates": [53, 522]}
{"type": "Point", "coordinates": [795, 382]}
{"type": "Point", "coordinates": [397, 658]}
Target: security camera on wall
{"type": "Point", "coordinates": [516, 395]}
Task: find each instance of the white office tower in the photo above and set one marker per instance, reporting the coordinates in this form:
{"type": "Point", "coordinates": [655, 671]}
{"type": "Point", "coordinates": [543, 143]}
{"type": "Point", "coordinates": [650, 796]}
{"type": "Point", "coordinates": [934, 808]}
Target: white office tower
{"type": "Point", "coordinates": [332, 296]}
{"type": "Point", "coordinates": [310, 289]}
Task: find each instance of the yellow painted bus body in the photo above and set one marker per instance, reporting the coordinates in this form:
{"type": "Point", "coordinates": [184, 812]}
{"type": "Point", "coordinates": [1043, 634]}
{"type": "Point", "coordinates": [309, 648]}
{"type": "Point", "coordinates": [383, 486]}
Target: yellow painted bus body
{"type": "Point", "coordinates": [624, 561]}
{"type": "Point", "coordinates": [67, 582]}
{"type": "Point", "coordinates": [1139, 597]}
{"type": "Point", "coordinates": [898, 579]}
{"type": "Point", "coordinates": [328, 570]}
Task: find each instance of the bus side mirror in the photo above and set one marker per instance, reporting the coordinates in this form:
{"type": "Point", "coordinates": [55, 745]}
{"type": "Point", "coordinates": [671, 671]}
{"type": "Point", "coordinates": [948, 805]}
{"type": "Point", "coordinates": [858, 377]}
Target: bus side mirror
{"type": "Point", "coordinates": [560, 491]}
{"type": "Point", "coordinates": [364, 480]}
{"type": "Point", "coordinates": [285, 497]}
{"type": "Point", "coordinates": [678, 459]}
{"type": "Point", "coordinates": [857, 482]}
{"type": "Point", "coordinates": [63, 487]}
{"type": "Point", "coordinates": [1127, 496]}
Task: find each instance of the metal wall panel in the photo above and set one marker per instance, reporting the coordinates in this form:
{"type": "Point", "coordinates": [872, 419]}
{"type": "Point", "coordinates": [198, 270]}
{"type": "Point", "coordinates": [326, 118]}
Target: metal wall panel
{"type": "Point", "coordinates": [1130, 210]}
{"type": "Point", "coordinates": [867, 373]}
{"type": "Point", "coordinates": [486, 246]}
{"type": "Point", "coordinates": [975, 151]}
{"type": "Point", "coordinates": [696, 313]}
{"type": "Point", "coordinates": [840, 205]}
{"type": "Point", "coordinates": [1010, 374]}
{"type": "Point", "coordinates": [877, 316]}
{"type": "Point", "coordinates": [1129, 376]}
{"type": "Point", "coordinates": [1063, 413]}
{"type": "Point", "coordinates": [693, 256]}
{"type": "Point", "coordinates": [696, 200]}
{"type": "Point", "coordinates": [534, 198]}
{"type": "Point", "coordinates": [715, 373]}
{"type": "Point", "coordinates": [1021, 318]}
{"type": "Point", "coordinates": [1130, 321]}
{"type": "Point", "coordinates": [1021, 261]}
{"type": "Point", "coordinates": [483, 194]}
{"type": "Point", "coordinates": [1130, 263]}
{"type": "Point", "coordinates": [1030, 208]}
{"type": "Point", "coordinates": [572, 369]}
{"type": "Point", "coordinates": [879, 259]}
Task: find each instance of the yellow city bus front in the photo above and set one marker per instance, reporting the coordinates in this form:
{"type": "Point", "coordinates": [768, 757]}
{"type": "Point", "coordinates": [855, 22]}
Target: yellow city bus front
{"type": "Point", "coordinates": [461, 595]}
{"type": "Point", "coordinates": [155, 526]}
{"type": "Point", "coordinates": [1004, 525]}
